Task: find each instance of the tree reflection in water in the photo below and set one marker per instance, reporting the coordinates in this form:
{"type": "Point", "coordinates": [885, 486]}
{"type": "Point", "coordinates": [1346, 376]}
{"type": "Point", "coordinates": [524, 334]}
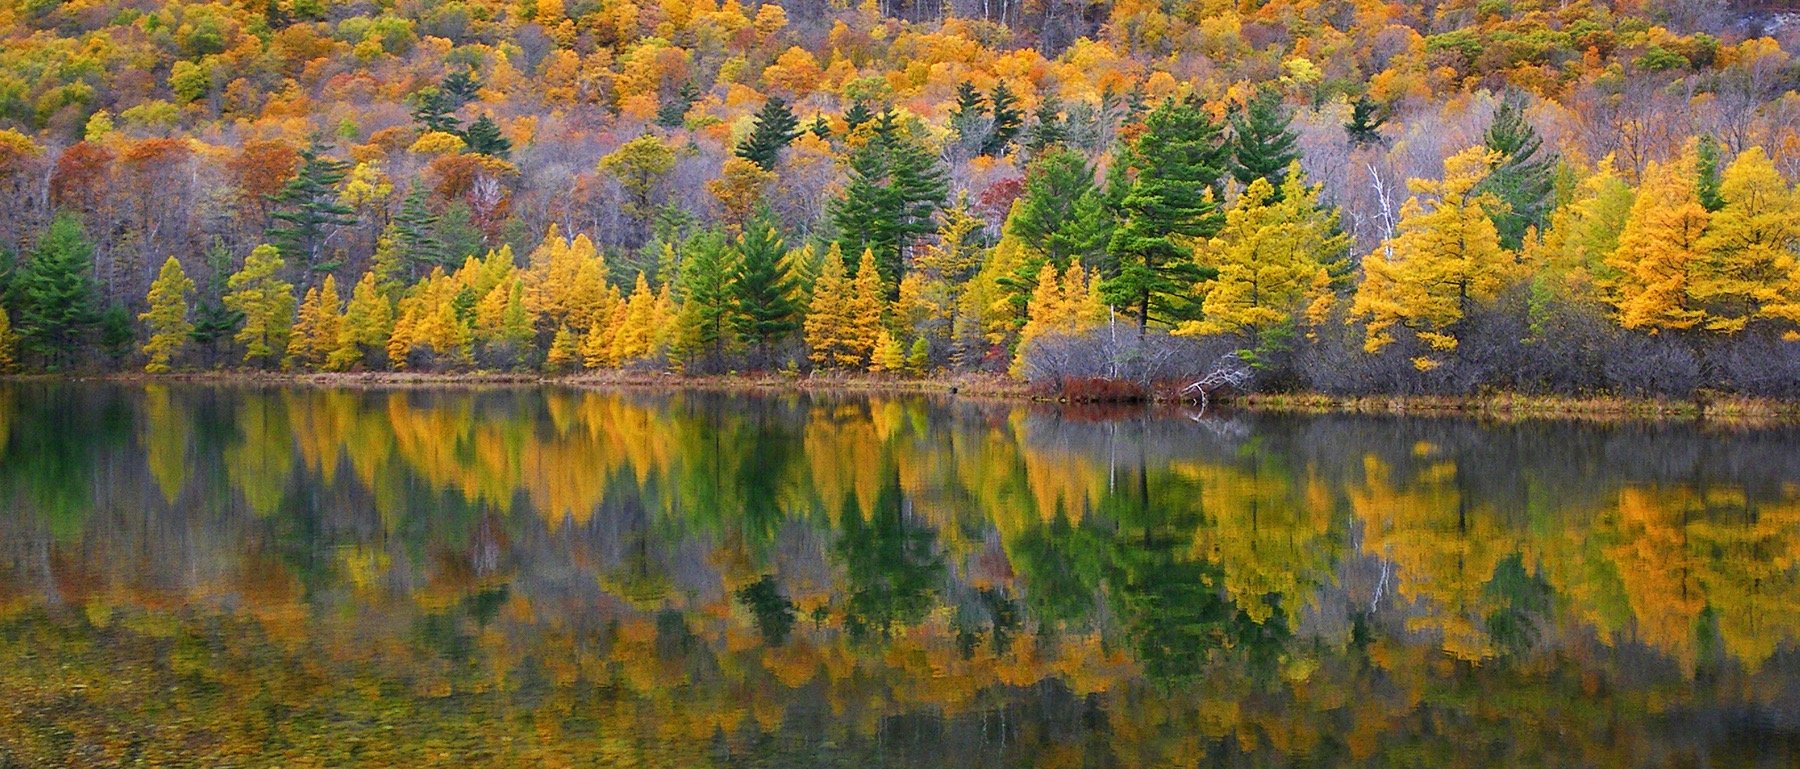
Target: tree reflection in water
{"type": "Point", "coordinates": [541, 577]}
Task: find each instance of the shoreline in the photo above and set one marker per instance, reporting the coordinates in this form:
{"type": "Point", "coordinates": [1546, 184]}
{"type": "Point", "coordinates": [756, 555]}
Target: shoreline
{"type": "Point", "coordinates": [990, 387]}
{"type": "Point", "coordinates": [1514, 407]}
{"type": "Point", "coordinates": [1496, 406]}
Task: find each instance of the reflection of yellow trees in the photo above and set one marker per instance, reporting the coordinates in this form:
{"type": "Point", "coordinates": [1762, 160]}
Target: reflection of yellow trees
{"type": "Point", "coordinates": [1681, 551]}
{"type": "Point", "coordinates": [1658, 568]}
{"type": "Point", "coordinates": [1060, 480]}
{"type": "Point", "coordinates": [1271, 532]}
{"type": "Point", "coordinates": [322, 424]}
{"type": "Point", "coordinates": [845, 454]}
{"type": "Point", "coordinates": [1443, 544]}
{"type": "Point", "coordinates": [1752, 573]}
{"type": "Point", "coordinates": [1673, 566]}
{"type": "Point", "coordinates": [261, 460]}
{"type": "Point", "coordinates": [166, 432]}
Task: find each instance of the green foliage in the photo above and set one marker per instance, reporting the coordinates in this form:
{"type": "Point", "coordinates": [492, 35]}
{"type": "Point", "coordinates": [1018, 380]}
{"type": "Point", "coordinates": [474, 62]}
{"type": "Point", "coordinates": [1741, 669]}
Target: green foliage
{"type": "Point", "coordinates": [1710, 167]}
{"type": "Point", "coordinates": [763, 290]}
{"type": "Point", "coordinates": [213, 320]}
{"type": "Point", "coordinates": [484, 138]}
{"type": "Point", "coordinates": [457, 235]}
{"type": "Point", "coordinates": [1061, 214]}
{"type": "Point", "coordinates": [672, 112]}
{"type": "Point", "coordinates": [774, 613]}
{"type": "Point", "coordinates": [413, 236]}
{"type": "Point", "coordinates": [1170, 202]}
{"type": "Point", "coordinates": [709, 310]}
{"type": "Point", "coordinates": [1364, 125]}
{"type": "Point", "coordinates": [116, 335]}
{"type": "Point", "coordinates": [775, 126]}
{"type": "Point", "coordinates": [53, 295]}
{"type": "Point", "coordinates": [308, 208]}
{"type": "Point", "coordinates": [1524, 181]}
{"type": "Point", "coordinates": [434, 110]}
{"type": "Point", "coordinates": [1262, 145]}
{"type": "Point", "coordinates": [1047, 127]}
{"type": "Point", "coordinates": [1004, 122]}
{"type": "Point", "coordinates": [857, 115]}
{"type": "Point", "coordinates": [968, 118]}
{"type": "Point", "coordinates": [891, 199]}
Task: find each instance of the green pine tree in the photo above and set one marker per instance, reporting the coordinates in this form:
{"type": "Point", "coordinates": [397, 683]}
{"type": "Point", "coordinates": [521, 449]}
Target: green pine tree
{"type": "Point", "coordinates": [708, 319]}
{"type": "Point", "coordinates": [969, 119]}
{"type": "Point", "coordinates": [1262, 145]}
{"type": "Point", "coordinates": [1525, 178]}
{"type": "Point", "coordinates": [308, 208]}
{"type": "Point", "coordinates": [1170, 203]}
{"type": "Point", "coordinates": [1364, 126]}
{"type": "Point", "coordinates": [1006, 120]}
{"type": "Point", "coordinates": [484, 138]}
{"type": "Point", "coordinates": [894, 191]}
{"type": "Point", "coordinates": [764, 291]}
{"type": "Point", "coordinates": [1709, 167]}
{"type": "Point", "coordinates": [1061, 213]}
{"type": "Point", "coordinates": [457, 232]}
{"type": "Point", "coordinates": [461, 87]}
{"type": "Point", "coordinates": [857, 115]}
{"type": "Point", "coordinates": [53, 294]}
{"type": "Point", "coordinates": [414, 233]}
{"type": "Point", "coordinates": [214, 322]}
{"type": "Point", "coordinates": [775, 126]}
{"type": "Point", "coordinates": [435, 110]}
{"type": "Point", "coordinates": [116, 335]}
{"type": "Point", "coordinates": [1047, 127]}
{"type": "Point", "coordinates": [673, 111]}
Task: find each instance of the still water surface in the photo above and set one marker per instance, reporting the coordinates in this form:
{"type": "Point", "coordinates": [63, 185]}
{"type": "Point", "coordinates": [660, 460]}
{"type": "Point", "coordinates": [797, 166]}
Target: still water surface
{"type": "Point", "coordinates": [205, 576]}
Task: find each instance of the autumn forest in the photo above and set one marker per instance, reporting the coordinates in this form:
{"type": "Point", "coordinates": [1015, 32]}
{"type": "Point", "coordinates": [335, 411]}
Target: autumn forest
{"type": "Point", "coordinates": [1341, 196]}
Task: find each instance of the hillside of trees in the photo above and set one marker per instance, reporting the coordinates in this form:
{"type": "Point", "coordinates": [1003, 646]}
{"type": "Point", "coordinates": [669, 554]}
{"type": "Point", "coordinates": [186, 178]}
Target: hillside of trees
{"type": "Point", "coordinates": [1340, 195]}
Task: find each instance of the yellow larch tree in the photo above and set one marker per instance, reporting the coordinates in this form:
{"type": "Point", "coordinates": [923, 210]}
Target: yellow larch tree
{"type": "Point", "coordinates": [267, 304]}
{"type": "Point", "coordinates": [1066, 304]}
{"type": "Point", "coordinates": [889, 356]}
{"type": "Point", "coordinates": [8, 343]}
{"type": "Point", "coordinates": [167, 317]}
{"type": "Point", "coordinates": [367, 327]}
{"type": "Point", "coordinates": [490, 311]}
{"type": "Point", "coordinates": [827, 326]}
{"type": "Point", "coordinates": [1444, 260]}
{"type": "Point", "coordinates": [1662, 243]}
{"type": "Point", "coordinates": [1272, 251]}
{"type": "Point", "coordinates": [663, 318]}
{"type": "Point", "coordinates": [399, 344]}
{"type": "Point", "coordinates": [428, 314]}
{"type": "Point", "coordinates": [563, 349]}
{"type": "Point", "coordinates": [1747, 255]}
{"type": "Point", "coordinates": [597, 346]}
{"type": "Point", "coordinates": [316, 330]}
{"type": "Point", "coordinates": [868, 303]}
{"type": "Point", "coordinates": [1045, 313]}
{"type": "Point", "coordinates": [1571, 254]}
{"type": "Point", "coordinates": [638, 333]}
{"type": "Point", "coordinates": [565, 282]}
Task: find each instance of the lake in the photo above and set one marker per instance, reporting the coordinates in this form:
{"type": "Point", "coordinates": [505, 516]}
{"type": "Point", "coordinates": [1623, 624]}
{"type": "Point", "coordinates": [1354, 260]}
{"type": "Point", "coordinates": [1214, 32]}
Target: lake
{"type": "Point", "coordinates": [236, 576]}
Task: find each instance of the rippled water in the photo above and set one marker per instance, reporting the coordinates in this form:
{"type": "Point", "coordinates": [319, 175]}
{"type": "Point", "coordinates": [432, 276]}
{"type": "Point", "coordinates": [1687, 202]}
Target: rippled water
{"type": "Point", "coordinates": [295, 577]}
